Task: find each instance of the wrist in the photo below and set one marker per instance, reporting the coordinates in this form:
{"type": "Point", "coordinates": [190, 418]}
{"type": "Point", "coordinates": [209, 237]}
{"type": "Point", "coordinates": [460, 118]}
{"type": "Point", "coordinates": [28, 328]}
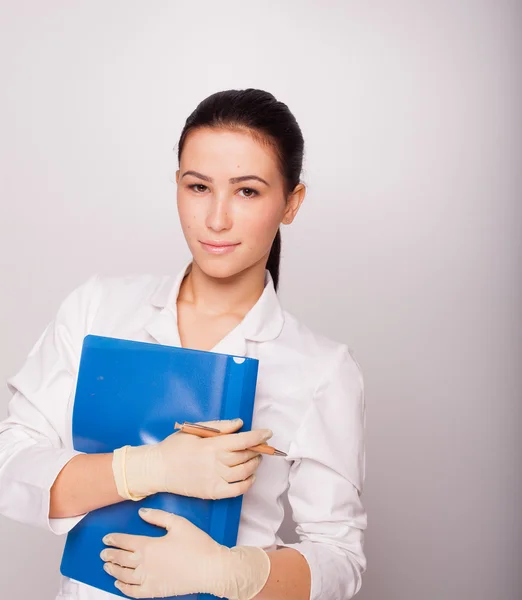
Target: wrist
{"type": "Point", "coordinates": [131, 466]}
{"type": "Point", "coordinates": [243, 572]}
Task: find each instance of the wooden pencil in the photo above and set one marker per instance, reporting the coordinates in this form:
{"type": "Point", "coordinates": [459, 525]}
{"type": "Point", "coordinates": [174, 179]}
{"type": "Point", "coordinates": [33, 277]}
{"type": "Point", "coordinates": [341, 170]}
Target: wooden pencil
{"type": "Point", "coordinates": [207, 432]}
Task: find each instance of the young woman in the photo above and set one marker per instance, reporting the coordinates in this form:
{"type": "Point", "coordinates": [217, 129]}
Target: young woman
{"type": "Point", "coordinates": [240, 158]}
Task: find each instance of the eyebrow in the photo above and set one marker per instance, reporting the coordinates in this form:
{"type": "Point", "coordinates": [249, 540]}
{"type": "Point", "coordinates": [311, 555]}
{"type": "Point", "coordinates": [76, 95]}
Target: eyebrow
{"type": "Point", "coordinates": [231, 180]}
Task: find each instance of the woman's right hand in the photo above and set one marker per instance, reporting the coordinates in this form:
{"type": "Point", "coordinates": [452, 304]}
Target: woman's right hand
{"type": "Point", "coordinates": [208, 468]}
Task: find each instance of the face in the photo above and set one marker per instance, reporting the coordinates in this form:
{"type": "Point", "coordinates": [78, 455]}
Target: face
{"type": "Point", "coordinates": [231, 200]}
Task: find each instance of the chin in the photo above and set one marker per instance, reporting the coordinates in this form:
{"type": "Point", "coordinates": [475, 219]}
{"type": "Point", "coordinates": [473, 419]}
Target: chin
{"type": "Point", "coordinates": [220, 267]}
{"type": "Point", "coordinates": [223, 267]}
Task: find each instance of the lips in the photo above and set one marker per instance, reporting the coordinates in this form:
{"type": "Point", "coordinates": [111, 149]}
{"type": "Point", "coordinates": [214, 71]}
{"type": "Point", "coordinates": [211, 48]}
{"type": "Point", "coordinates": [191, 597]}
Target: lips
{"type": "Point", "coordinates": [219, 244]}
{"type": "Point", "coordinates": [214, 247]}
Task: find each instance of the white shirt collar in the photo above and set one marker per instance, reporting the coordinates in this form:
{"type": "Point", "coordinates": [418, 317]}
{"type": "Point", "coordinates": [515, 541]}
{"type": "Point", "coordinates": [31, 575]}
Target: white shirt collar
{"type": "Point", "coordinates": [263, 322]}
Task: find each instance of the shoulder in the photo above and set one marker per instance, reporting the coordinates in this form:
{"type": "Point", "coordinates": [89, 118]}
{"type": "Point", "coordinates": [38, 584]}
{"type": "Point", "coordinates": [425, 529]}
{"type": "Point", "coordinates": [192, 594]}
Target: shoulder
{"type": "Point", "coordinates": [307, 364]}
{"type": "Point", "coordinates": [132, 286]}
{"type": "Point", "coordinates": [99, 288]}
{"type": "Point", "coordinates": [308, 340]}
{"type": "Point", "coordinates": [108, 294]}
{"type": "Point", "coordinates": [322, 353]}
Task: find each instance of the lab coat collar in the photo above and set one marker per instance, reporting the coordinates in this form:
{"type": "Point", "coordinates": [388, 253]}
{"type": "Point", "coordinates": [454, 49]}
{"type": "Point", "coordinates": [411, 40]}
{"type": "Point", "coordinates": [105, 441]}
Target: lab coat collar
{"type": "Point", "coordinates": [262, 323]}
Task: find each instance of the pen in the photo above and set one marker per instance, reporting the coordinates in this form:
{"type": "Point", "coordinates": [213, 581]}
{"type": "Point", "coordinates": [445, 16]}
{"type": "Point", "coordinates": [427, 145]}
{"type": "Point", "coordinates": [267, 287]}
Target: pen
{"type": "Point", "coordinates": [206, 432]}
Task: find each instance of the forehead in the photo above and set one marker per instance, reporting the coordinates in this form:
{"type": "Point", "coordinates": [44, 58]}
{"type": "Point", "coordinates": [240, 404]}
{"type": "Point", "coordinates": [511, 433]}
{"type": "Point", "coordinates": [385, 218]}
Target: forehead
{"type": "Point", "coordinates": [212, 151]}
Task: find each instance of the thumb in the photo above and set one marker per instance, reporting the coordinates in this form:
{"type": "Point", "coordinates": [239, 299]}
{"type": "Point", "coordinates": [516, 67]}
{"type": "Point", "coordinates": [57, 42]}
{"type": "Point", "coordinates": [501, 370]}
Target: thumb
{"type": "Point", "coordinates": [160, 518]}
{"type": "Point", "coordinates": [225, 426]}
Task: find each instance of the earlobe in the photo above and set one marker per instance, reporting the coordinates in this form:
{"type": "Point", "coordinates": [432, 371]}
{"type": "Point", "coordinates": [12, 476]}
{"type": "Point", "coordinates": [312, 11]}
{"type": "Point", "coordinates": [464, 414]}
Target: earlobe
{"type": "Point", "coordinates": [288, 218]}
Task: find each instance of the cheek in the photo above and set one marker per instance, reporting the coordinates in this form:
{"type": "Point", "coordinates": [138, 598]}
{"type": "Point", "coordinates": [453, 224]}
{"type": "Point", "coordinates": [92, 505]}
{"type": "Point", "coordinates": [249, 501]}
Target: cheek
{"type": "Point", "coordinates": [259, 226]}
{"type": "Point", "coordinates": [188, 213]}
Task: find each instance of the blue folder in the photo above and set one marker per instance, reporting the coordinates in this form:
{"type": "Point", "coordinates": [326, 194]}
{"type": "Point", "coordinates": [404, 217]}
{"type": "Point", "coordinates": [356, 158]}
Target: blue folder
{"type": "Point", "coordinates": [132, 393]}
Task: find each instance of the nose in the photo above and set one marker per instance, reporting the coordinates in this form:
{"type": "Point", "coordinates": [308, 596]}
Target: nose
{"type": "Point", "coordinates": [219, 214]}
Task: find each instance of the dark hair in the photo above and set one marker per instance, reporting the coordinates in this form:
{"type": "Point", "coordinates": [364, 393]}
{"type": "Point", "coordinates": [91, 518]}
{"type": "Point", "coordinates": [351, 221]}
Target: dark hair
{"type": "Point", "coordinates": [271, 122]}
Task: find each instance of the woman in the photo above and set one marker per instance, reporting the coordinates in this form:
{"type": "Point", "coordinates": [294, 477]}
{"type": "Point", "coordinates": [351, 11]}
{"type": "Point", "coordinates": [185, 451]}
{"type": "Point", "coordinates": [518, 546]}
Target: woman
{"type": "Point", "coordinates": [309, 392]}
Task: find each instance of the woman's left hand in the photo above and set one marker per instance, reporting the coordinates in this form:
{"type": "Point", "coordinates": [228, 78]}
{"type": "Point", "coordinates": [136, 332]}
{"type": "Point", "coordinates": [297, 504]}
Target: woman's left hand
{"type": "Point", "coordinates": [177, 563]}
{"type": "Point", "coordinates": [184, 561]}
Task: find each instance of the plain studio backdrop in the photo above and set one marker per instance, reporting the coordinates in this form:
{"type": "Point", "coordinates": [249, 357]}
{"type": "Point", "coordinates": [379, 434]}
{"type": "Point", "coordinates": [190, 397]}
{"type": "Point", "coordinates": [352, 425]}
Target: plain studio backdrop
{"type": "Point", "coordinates": [407, 248]}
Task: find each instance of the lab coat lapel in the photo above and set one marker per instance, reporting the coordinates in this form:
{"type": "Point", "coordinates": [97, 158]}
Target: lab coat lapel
{"type": "Point", "coordinates": [163, 325]}
{"type": "Point", "coordinates": [233, 343]}
{"type": "Point", "coordinates": [262, 323]}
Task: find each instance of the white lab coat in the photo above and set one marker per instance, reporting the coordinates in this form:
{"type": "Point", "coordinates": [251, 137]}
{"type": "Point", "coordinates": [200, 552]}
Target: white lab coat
{"type": "Point", "coordinates": [310, 393]}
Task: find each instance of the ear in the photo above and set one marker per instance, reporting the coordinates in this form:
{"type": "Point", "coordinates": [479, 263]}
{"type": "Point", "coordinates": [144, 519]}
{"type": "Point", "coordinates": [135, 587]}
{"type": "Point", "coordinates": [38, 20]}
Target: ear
{"type": "Point", "coordinates": [294, 203]}
{"type": "Point", "coordinates": [177, 176]}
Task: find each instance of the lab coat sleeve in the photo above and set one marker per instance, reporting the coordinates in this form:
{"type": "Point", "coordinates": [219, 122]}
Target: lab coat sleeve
{"type": "Point", "coordinates": [35, 437]}
{"type": "Point", "coordinates": [326, 480]}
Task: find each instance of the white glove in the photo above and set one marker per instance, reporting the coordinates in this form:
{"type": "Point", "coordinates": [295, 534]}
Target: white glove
{"type": "Point", "coordinates": [209, 468]}
{"type": "Point", "coordinates": [184, 561]}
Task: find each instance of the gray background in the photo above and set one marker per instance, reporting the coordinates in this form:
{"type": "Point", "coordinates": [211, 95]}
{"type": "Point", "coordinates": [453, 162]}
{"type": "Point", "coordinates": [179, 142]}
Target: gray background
{"type": "Point", "coordinates": [408, 245]}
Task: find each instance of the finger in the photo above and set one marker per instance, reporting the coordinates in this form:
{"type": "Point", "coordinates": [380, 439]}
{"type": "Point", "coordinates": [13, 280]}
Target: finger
{"type": "Point", "coordinates": [122, 574]}
{"type": "Point", "coordinates": [246, 439]}
{"type": "Point", "coordinates": [133, 591]}
{"type": "Point", "coordinates": [161, 518]}
{"type": "Point", "coordinates": [124, 541]}
{"type": "Point", "coordinates": [231, 490]}
{"type": "Point", "coordinates": [243, 471]}
{"type": "Point", "coordinates": [120, 557]}
{"type": "Point", "coordinates": [225, 426]}
{"type": "Point", "coordinates": [231, 459]}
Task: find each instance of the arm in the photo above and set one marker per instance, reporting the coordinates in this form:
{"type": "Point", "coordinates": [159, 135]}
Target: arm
{"type": "Point", "coordinates": [180, 464]}
{"type": "Point", "coordinates": [289, 577]}
{"type": "Point", "coordinates": [33, 438]}
{"type": "Point", "coordinates": [85, 483]}
{"type": "Point", "coordinates": [326, 481]}
{"type": "Point", "coordinates": [187, 560]}
{"type": "Point", "coordinates": [44, 482]}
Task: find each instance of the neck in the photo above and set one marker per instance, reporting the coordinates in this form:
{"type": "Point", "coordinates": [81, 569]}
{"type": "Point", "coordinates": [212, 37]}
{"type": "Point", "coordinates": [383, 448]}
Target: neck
{"type": "Point", "coordinates": [230, 295]}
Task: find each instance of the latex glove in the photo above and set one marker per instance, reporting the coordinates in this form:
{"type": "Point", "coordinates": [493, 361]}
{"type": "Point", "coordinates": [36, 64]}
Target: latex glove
{"type": "Point", "coordinates": [184, 561]}
{"type": "Point", "coordinates": [209, 468]}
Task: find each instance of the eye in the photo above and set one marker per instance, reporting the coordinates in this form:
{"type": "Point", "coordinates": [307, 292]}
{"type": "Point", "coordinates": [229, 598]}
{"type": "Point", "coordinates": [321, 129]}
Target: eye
{"type": "Point", "coordinates": [196, 187]}
{"type": "Point", "coordinates": [249, 192]}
